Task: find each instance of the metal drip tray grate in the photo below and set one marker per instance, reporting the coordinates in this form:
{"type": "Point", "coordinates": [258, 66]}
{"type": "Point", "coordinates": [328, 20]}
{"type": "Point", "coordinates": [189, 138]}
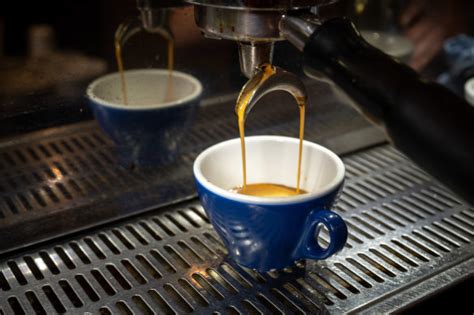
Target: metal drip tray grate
{"type": "Point", "coordinates": [408, 237]}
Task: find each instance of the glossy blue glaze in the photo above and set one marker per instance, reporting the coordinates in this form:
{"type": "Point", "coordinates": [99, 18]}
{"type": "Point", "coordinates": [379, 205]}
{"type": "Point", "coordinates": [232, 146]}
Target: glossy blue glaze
{"type": "Point", "coordinates": [145, 136]}
{"type": "Point", "coordinates": [274, 236]}
{"type": "Point", "coordinates": [149, 130]}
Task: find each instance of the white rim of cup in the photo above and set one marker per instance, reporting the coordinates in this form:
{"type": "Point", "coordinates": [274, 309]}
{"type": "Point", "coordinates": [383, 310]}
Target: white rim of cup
{"type": "Point", "coordinates": [197, 91]}
{"type": "Point", "coordinates": [267, 200]}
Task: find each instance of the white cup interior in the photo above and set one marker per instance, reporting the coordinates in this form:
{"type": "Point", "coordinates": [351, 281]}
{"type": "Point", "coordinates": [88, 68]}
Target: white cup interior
{"type": "Point", "coordinates": [146, 88]}
{"type": "Point", "coordinates": [270, 159]}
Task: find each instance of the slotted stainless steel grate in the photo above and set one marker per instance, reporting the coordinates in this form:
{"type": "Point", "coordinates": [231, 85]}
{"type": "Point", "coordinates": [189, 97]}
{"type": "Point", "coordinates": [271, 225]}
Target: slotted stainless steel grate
{"type": "Point", "coordinates": [57, 181]}
{"type": "Point", "coordinates": [406, 231]}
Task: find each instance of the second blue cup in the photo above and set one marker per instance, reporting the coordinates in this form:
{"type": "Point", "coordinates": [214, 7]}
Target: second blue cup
{"type": "Point", "coordinates": [148, 130]}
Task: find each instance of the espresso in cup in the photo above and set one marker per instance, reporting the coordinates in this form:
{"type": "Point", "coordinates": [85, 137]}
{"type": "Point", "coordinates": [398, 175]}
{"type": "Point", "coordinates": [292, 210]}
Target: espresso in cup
{"type": "Point", "coordinates": [268, 190]}
{"type": "Point", "coordinates": [272, 233]}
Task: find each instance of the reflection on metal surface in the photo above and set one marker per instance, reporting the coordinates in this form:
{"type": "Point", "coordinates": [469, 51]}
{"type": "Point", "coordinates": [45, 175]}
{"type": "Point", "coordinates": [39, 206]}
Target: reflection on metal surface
{"type": "Point", "coordinates": [58, 176]}
{"type": "Point", "coordinates": [408, 238]}
{"type": "Point", "coordinates": [276, 5]}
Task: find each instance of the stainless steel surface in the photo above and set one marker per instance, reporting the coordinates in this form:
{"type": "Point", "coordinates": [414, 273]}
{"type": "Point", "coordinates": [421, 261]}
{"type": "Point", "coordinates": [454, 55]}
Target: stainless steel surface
{"type": "Point", "coordinates": [297, 30]}
{"type": "Point", "coordinates": [281, 80]}
{"type": "Point", "coordinates": [238, 25]}
{"type": "Point", "coordinates": [159, 4]}
{"type": "Point", "coordinates": [256, 32]}
{"type": "Point", "coordinates": [254, 23]}
{"type": "Point", "coordinates": [57, 181]}
{"type": "Point", "coordinates": [252, 55]}
{"type": "Point", "coordinates": [409, 237]}
{"type": "Point", "coordinates": [275, 5]}
{"type": "Point", "coordinates": [154, 14]}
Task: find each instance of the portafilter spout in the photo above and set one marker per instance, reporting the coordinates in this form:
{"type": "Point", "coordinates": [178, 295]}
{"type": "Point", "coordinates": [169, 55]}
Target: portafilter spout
{"type": "Point", "coordinates": [154, 13]}
{"type": "Point", "coordinates": [269, 79]}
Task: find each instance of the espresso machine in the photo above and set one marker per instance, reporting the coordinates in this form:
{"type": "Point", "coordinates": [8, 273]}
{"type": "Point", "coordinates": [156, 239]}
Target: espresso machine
{"type": "Point", "coordinates": [424, 120]}
{"type": "Point", "coordinates": [80, 233]}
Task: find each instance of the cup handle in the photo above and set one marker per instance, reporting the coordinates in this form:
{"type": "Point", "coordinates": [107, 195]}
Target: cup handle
{"type": "Point", "coordinates": [337, 232]}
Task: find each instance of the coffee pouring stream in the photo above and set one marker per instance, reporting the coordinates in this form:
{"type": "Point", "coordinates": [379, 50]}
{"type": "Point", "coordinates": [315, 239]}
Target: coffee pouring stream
{"type": "Point", "coordinates": [267, 79]}
{"type": "Point", "coordinates": [131, 27]}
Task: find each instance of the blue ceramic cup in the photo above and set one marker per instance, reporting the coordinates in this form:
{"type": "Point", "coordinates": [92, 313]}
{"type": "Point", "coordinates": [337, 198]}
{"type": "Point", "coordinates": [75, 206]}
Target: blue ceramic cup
{"type": "Point", "coordinates": [272, 233]}
{"type": "Point", "coordinates": [148, 130]}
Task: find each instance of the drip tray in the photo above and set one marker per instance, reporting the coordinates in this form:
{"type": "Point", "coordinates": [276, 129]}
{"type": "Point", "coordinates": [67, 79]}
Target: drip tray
{"type": "Point", "coordinates": [409, 238]}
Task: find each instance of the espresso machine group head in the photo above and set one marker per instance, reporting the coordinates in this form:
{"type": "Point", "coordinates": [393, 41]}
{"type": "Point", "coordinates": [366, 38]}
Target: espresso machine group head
{"type": "Point", "coordinates": [254, 24]}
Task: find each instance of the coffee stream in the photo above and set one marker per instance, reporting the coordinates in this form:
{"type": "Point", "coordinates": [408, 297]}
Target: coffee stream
{"type": "Point", "coordinates": [120, 38]}
{"type": "Point", "coordinates": [169, 90]}
{"type": "Point", "coordinates": [123, 83]}
{"type": "Point", "coordinates": [241, 107]}
{"type": "Point", "coordinates": [266, 189]}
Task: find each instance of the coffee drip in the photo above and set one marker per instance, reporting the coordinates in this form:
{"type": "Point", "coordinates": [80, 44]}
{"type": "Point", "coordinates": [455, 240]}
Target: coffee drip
{"type": "Point", "coordinates": [269, 78]}
{"type": "Point", "coordinates": [124, 32]}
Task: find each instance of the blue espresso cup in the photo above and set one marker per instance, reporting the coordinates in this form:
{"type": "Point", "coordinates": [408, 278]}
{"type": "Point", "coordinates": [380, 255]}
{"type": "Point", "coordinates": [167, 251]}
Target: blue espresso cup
{"type": "Point", "coordinates": [272, 233]}
{"type": "Point", "coordinates": [148, 130]}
